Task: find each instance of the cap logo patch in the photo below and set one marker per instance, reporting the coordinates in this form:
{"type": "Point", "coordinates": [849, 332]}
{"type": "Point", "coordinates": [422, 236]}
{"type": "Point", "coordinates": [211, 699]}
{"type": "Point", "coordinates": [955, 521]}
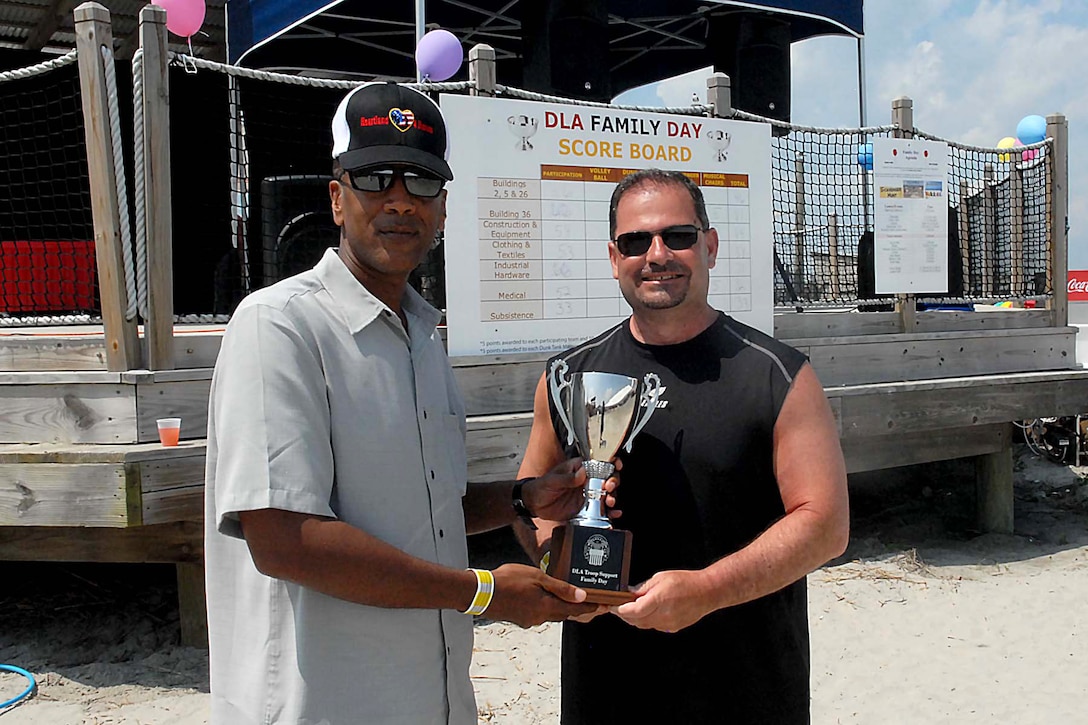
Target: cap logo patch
{"type": "Point", "coordinates": [402, 119]}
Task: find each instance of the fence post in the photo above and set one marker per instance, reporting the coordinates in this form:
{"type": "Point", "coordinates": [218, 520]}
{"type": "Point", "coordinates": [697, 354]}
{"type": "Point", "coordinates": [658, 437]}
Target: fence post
{"type": "Point", "coordinates": [799, 230]}
{"type": "Point", "coordinates": [833, 252]}
{"type": "Point", "coordinates": [903, 119]}
{"type": "Point", "coordinates": [481, 70]}
{"type": "Point", "coordinates": [989, 233]}
{"type": "Point", "coordinates": [719, 95]}
{"type": "Point", "coordinates": [1057, 128]}
{"type": "Point", "coordinates": [1017, 284]}
{"type": "Point", "coordinates": [159, 325]}
{"type": "Point", "coordinates": [93, 32]}
{"type": "Point", "coordinates": [970, 284]}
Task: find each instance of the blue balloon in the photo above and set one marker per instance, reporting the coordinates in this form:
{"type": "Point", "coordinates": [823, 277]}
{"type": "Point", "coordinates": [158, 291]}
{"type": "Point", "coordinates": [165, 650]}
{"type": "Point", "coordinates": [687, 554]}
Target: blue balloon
{"type": "Point", "coordinates": [1031, 129]}
{"type": "Point", "coordinates": [865, 156]}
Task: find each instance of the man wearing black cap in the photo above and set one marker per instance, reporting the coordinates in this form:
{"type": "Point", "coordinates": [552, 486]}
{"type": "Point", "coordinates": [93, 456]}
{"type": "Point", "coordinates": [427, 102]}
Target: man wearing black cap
{"type": "Point", "coordinates": [337, 503]}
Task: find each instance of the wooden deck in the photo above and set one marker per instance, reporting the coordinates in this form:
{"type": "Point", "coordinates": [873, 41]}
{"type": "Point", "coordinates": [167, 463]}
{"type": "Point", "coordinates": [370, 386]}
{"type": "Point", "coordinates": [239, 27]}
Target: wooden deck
{"type": "Point", "coordinates": [82, 476]}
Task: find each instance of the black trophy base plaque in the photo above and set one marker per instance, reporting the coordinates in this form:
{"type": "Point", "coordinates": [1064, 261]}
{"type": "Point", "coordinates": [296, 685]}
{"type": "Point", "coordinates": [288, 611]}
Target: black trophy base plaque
{"type": "Point", "coordinates": [597, 560]}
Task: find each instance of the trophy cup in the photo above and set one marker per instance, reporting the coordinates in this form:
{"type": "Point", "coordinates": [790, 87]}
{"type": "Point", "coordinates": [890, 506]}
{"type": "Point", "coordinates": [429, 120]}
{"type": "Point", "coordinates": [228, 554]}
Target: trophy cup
{"type": "Point", "coordinates": [598, 410]}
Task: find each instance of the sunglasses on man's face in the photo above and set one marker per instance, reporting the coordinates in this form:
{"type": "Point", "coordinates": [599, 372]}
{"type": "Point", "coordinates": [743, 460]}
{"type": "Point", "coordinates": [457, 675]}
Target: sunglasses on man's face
{"type": "Point", "coordinates": [416, 183]}
{"type": "Point", "coordinates": [635, 244]}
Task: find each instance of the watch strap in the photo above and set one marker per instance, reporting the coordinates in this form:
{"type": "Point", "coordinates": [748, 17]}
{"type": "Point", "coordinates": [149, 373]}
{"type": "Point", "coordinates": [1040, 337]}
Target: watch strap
{"type": "Point", "coordinates": [520, 508]}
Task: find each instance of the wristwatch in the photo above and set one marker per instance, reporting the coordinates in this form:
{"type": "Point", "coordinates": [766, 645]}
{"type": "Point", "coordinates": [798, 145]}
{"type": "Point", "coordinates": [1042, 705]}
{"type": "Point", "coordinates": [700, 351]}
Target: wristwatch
{"type": "Point", "coordinates": [520, 508]}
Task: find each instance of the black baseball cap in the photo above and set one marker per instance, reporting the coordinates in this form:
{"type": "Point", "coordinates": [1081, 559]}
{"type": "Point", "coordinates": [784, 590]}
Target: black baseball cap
{"type": "Point", "coordinates": [379, 124]}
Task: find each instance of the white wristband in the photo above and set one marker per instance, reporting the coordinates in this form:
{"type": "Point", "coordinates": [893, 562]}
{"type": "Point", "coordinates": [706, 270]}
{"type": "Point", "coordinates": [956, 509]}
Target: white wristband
{"type": "Point", "coordinates": [485, 589]}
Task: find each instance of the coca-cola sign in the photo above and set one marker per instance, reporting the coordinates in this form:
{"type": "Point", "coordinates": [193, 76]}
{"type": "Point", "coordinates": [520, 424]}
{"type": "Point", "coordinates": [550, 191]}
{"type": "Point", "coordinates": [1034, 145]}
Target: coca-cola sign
{"type": "Point", "coordinates": [1078, 285]}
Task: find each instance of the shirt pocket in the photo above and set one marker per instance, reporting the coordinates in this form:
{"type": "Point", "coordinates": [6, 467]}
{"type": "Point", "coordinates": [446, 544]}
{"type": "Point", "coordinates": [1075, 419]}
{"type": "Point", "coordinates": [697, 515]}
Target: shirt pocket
{"type": "Point", "coordinates": [453, 438]}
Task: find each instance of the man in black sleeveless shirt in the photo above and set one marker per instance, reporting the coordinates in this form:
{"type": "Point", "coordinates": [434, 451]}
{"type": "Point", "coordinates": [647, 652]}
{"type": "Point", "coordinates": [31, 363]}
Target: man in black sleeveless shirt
{"type": "Point", "coordinates": [734, 491]}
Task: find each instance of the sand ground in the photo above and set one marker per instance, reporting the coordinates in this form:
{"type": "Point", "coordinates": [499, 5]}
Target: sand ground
{"type": "Point", "coordinates": [923, 620]}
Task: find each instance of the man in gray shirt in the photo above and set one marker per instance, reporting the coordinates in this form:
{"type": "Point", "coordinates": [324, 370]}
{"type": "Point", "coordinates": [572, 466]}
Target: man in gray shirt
{"type": "Point", "coordinates": [337, 504]}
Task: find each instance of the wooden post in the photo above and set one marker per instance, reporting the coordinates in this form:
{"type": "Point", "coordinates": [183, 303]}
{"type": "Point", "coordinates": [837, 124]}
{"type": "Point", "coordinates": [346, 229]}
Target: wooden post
{"type": "Point", "coordinates": [903, 118]}
{"type": "Point", "coordinates": [192, 604]}
{"type": "Point", "coordinates": [1017, 286]}
{"type": "Point", "coordinates": [719, 95]}
{"type": "Point", "coordinates": [799, 230]}
{"type": "Point", "coordinates": [833, 252]}
{"type": "Point", "coordinates": [93, 33]}
{"type": "Point", "coordinates": [159, 325]}
{"type": "Point", "coordinates": [969, 283]}
{"type": "Point", "coordinates": [1057, 128]}
{"type": "Point", "coordinates": [989, 236]}
{"type": "Point", "coordinates": [481, 70]}
{"type": "Point", "coordinates": [994, 488]}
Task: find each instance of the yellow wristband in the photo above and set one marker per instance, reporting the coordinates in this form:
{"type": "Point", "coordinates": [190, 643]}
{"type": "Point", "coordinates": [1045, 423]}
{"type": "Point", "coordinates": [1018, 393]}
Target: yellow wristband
{"type": "Point", "coordinates": [485, 589]}
{"type": "Point", "coordinates": [544, 561]}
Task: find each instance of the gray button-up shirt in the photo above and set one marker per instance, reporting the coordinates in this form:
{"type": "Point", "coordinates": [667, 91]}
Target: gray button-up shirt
{"type": "Point", "coordinates": [322, 403]}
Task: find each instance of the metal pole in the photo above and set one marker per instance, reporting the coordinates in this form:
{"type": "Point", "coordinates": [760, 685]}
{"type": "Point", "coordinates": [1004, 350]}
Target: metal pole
{"type": "Point", "coordinates": [861, 82]}
{"type": "Point", "coordinates": [421, 27]}
{"type": "Point", "coordinates": [864, 137]}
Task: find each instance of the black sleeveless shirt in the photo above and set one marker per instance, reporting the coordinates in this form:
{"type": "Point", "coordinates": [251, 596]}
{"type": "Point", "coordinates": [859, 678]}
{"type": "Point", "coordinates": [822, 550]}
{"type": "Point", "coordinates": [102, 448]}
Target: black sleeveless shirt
{"type": "Point", "coordinates": [697, 486]}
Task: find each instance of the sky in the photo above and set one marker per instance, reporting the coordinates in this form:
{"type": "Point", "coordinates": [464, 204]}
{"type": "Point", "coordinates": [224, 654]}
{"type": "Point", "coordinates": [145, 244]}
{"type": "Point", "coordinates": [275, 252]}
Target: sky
{"type": "Point", "coordinates": [973, 68]}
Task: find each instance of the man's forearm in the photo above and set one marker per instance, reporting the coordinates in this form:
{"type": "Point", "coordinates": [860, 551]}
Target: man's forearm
{"type": "Point", "coordinates": [488, 506]}
{"type": "Point", "coordinates": [792, 547]}
{"type": "Point", "coordinates": [345, 562]}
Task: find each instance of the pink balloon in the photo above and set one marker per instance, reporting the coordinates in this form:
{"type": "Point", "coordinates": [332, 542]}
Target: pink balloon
{"type": "Point", "coordinates": [183, 17]}
{"type": "Point", "coordinates": [439, 55]}
{"type": "Point", "coordinates": [1028, 155]}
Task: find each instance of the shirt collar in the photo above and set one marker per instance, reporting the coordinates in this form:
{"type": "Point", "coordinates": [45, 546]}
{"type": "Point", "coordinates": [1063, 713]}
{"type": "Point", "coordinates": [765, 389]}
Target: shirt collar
{"type": "Point", "coordinates": [360, 307]}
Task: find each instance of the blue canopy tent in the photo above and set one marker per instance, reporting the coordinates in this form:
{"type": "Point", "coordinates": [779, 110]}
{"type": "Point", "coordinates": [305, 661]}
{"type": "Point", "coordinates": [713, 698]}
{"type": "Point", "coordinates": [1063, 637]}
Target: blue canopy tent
{"type": "Point", "coordinates": [647, 40]}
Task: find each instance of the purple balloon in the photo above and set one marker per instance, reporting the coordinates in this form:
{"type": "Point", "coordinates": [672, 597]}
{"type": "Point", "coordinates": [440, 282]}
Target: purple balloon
{"type": "Point", "coordinates": [439, 55]}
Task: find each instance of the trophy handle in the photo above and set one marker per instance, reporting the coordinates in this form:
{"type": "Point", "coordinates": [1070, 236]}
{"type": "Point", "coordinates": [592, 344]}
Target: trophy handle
{"type": "Point", "coordinates": [651, 392]}
{"type": "Point", "coordinates": [558, 384]}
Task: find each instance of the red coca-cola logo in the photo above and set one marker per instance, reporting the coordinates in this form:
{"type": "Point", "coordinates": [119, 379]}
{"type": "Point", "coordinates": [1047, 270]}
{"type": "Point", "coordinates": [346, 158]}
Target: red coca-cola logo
{"type": "Point", "coordinates": [1077, 284]}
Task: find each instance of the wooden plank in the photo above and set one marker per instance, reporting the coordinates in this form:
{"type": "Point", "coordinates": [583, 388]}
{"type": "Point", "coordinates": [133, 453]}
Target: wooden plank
{"type": "Point", "coordinates": [167, 376]}
{"type": "Point", "coordinates": [54, 494]}
{"type": "Point", "coordinates": [791, 325]}
{"type": "Point", "coordinates": [93, 33]}
{"type": "Point", "coordinates": [159, 325]}
{"type": "Point", "coordinates": [97, 453]}
{"type": "Point", "coordinates": [942, 355]}
{"type": "Point", "coordinates": [495, 446]}
{"type": "Point", "coordinates": [196, 350]}
{"type": "Point", "coordinates": [47, 377]}
{"type": "Point", "coordinates": [187, 400]}
{"type": "Point", "coordinates": [951, 320]}
{"type": "Point", "coordinates": [167, 474]}
{"type": "Point", "coordinates": [68, 414]}
{"type": "Point", "coordinates": [172, 489]}
{"type": "Point", "coordinates": [87, 351]}
{"type": "Point", "coordinates": [24, 353]}
{"type": "Point", "coordinates": [178, 504]}
{"type": "Point", "coordinates": [164, 543]}
{"type": "Point", "coordinates": [874, 453]}
{"type": "Point", "coordinates": [904, 410]}
{"type": "Point", "coordinates": [494, 389]}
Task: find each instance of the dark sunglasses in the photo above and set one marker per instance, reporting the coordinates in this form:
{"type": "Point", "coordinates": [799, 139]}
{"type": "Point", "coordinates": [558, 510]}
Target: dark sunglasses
{"type": "Point", "coordinates": [381, 179]}
{"type": "Point", "coordinates": [635, 244]}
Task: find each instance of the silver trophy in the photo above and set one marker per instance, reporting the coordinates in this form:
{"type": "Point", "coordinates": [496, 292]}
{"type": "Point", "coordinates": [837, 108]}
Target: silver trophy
{"type": "Point", "coordinates": [598, 411]}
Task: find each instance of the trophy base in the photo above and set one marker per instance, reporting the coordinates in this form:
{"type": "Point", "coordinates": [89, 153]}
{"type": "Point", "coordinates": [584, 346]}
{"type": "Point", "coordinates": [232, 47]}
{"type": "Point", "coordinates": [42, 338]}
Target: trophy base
{"type": "Point", "coordinates": [597, 560]}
